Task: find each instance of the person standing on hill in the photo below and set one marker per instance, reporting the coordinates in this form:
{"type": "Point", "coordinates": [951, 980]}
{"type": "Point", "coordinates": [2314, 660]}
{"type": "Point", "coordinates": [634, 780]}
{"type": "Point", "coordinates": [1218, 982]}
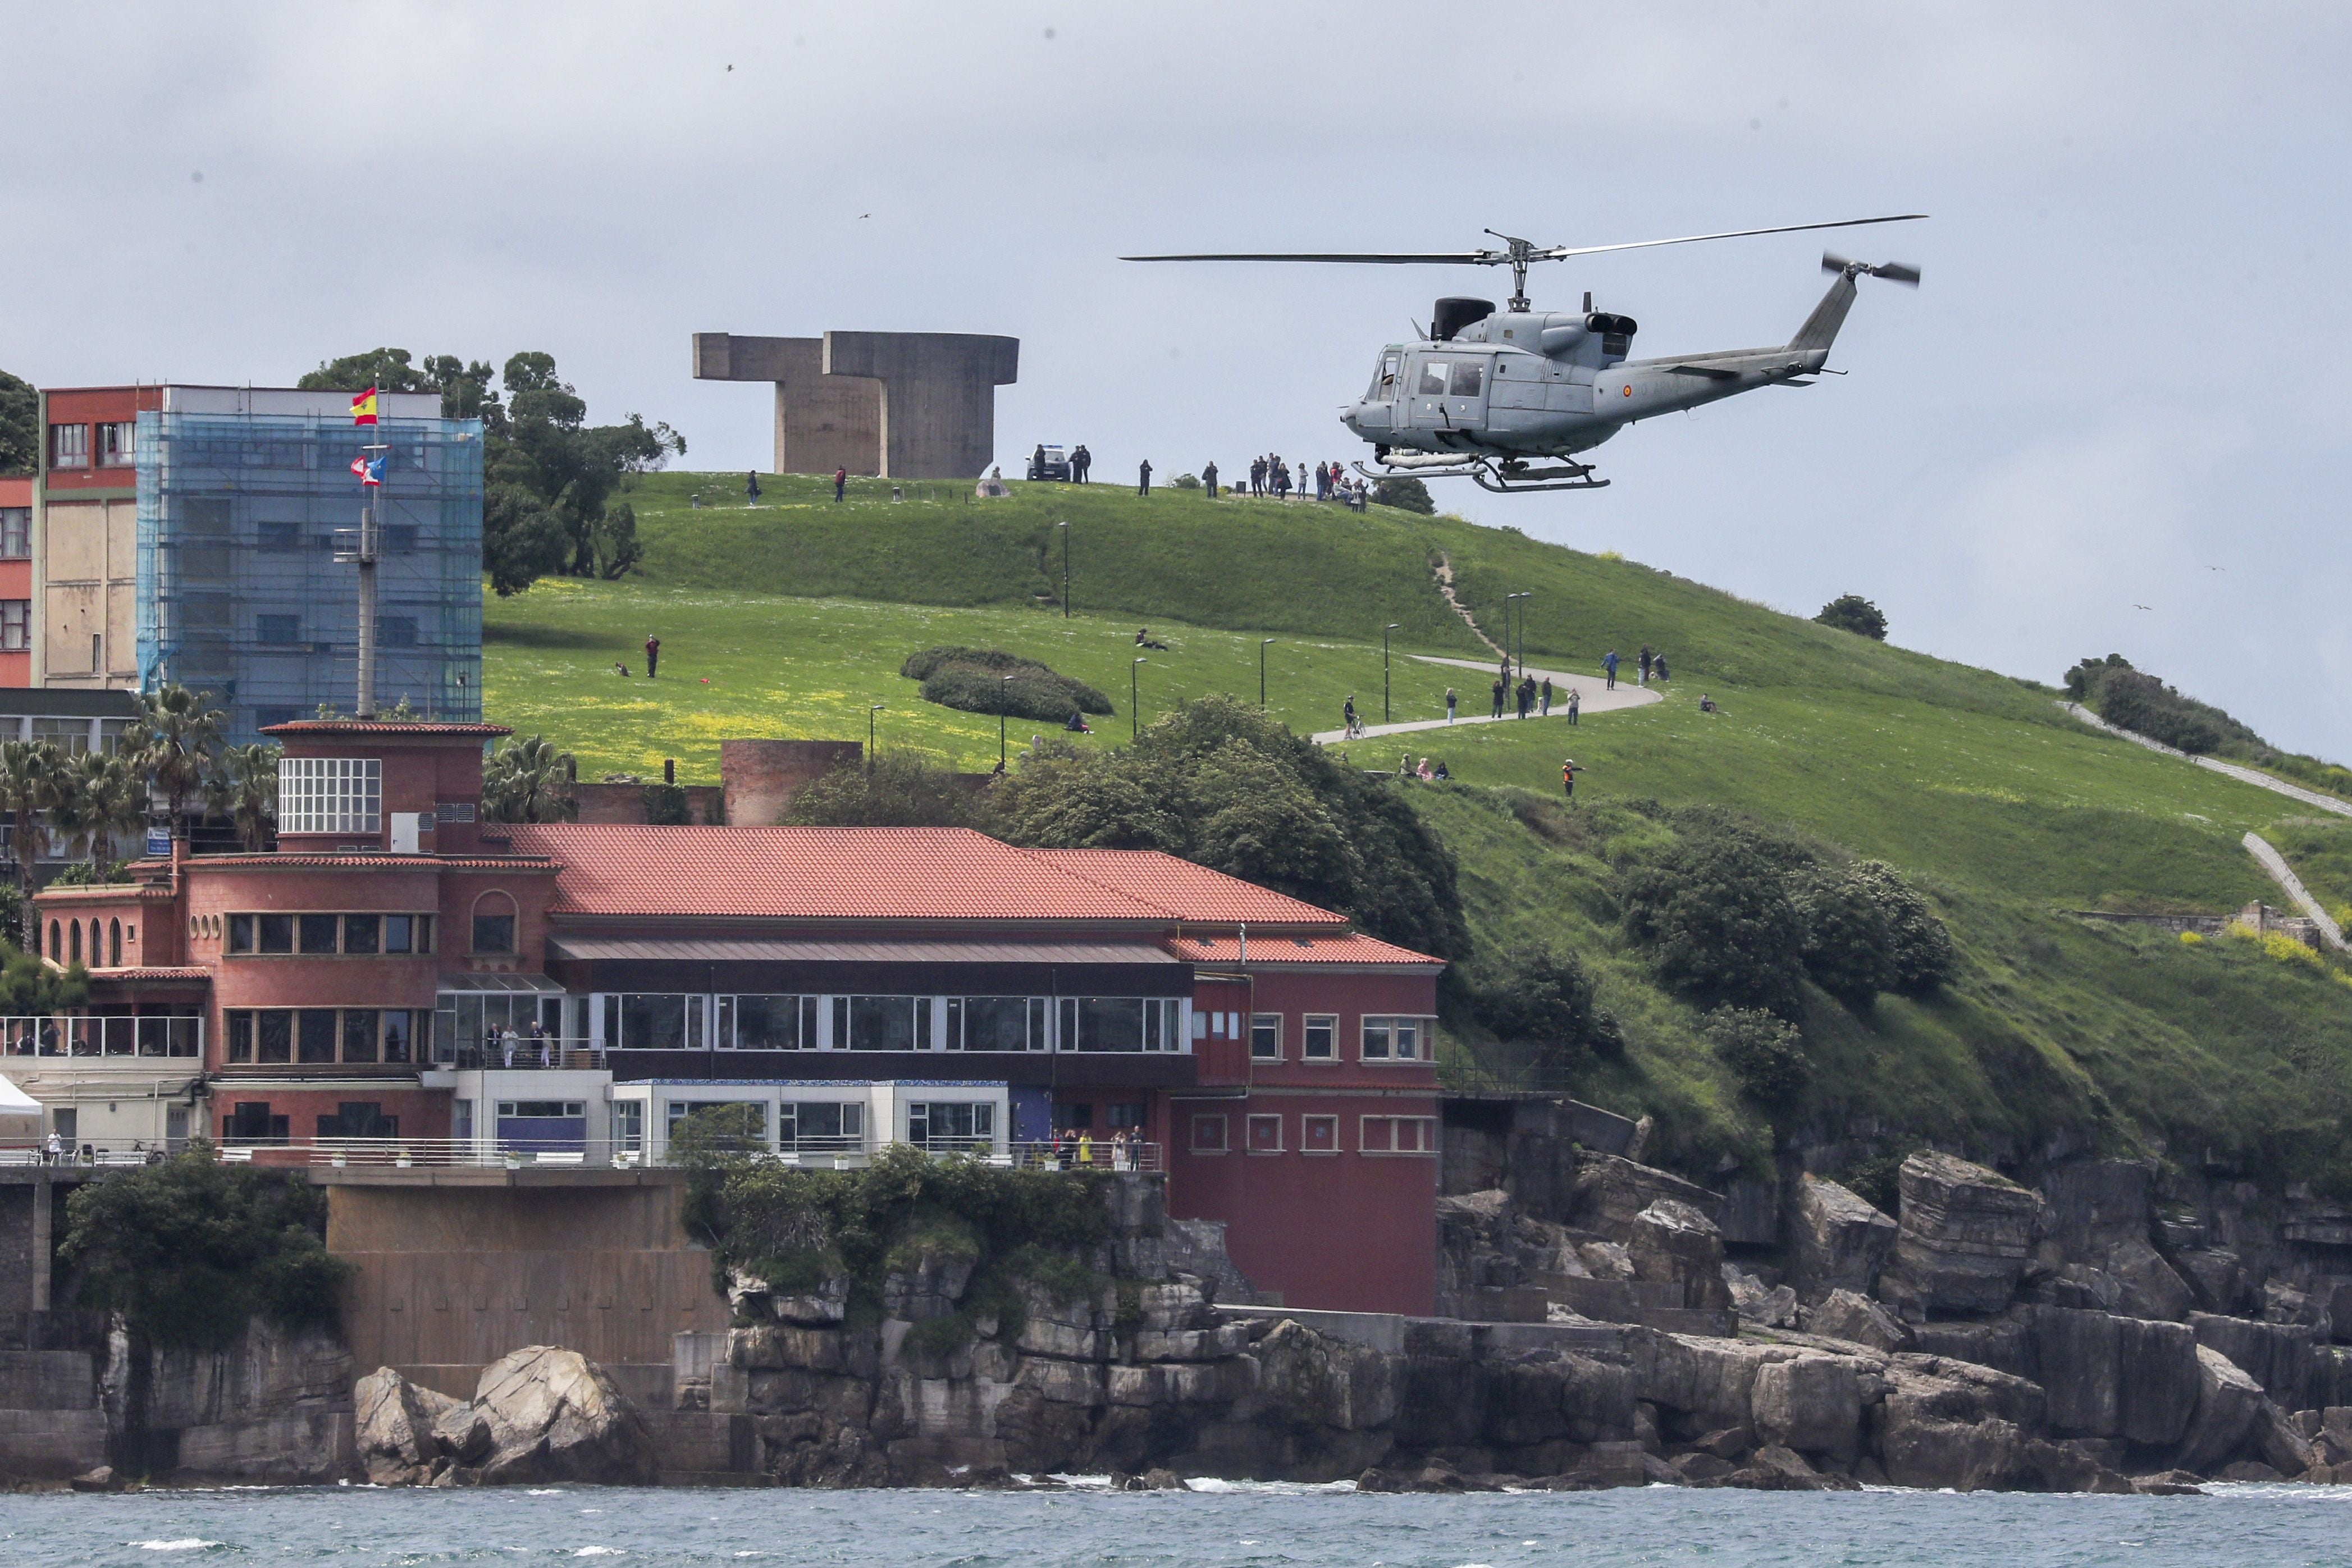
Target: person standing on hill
{"type": "Point", "coordinates": [1209, 478]}
{"type": "Point", "coordinates": [1575, 702]}
{"type": "Point", "coordinates": [1498, 696]}
{"type": "Point", "coordinates": [1609, 665]}
{"type": "Point", "coordinates": [1546, 695]}
{"type": "Point", "coordinates": [1143, 478]}
{"type": "Point", "coordinates": [751, 486]}
{"type": "Point", "coordinates": [1643, 678]}
{"type": "Point", "coordinates": [652, 654]}
{"type": "Point", "coordinates": [840, 483]}
{"type": "Point", "coordinates": [1450, 700]}
{"type": "Point", "coordinates": [1568, 771]}
{"type": "Point", "coordinates": [1037, 462]}
{"type": "Point", "coordinates": [1658, 666]}
{"type": "Point", "coordinates": [1080, 460]}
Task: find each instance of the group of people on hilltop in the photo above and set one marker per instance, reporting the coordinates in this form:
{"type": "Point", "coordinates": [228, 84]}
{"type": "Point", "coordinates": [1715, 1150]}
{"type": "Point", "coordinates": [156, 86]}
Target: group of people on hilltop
{"type": "Point", "coordinates": [1652, 666]}
{"type": "Point", "coordinates": [1526, 697]}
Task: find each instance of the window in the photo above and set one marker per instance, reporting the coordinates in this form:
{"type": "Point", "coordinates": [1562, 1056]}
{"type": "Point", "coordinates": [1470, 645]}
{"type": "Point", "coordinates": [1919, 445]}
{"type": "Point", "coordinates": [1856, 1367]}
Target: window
{"type": "Point", "coordinates": [314, 1035]}
{"type": "Point", "coordinates": [1121, 1023]}
{"type": "Point", "coordinates": [1393, 1039]}
{"type": "Point", "coordinates": [362, 933]}
{"type": "Point", "coordinates": [277, 631]}
{"type": "Point", "coordinates": [117, 443]}
{"type": "Point", "coordinates": [15, 533]}
{"type": "Point", "coordinates": [1265, 1037]}
{"type": "Point", "coordinates": [1321, 1039]}
{"type": "Point", "coordinates": [251, 1122]}
{"type": "Point", "coordinates": [1208, 1134]}
{"type": "Point", "coordinates": [1265, 1134]}
{"type": "Point", "coordinates": [628, 1125]}
{"type": "Point", "coordinates": [15, 625]}
{"type": "Point", "coordinates": [494, 933]}
{"type": "Point", "coordinates": [395, 630]}
{"type": "Point", "coordinates": [273, 1037]}
{"type": "Point", "coordinates": [1126, 1113]}
{"type": "Point", "coordinates": [1319, 1134]}
{"type": "Point", "coordinates": [950, 1124]}
{"type": "Point", "coordinates": [69, 446]}
{"type": "Point", "coordinates": [114, 943]}
{"type": "Point", "coordinates": [543, 1110]}
{"type": "Point", "coordinates": [316, 933]}
{"type": "Point", "coordinates": [879, 1023]}
{"type": "Point", "coordinates": [1432, 379]}
{"type": "Point", "coordinates": [1400, 1135]}
{"type": "Point", "coordinates": [767, 1023]}
{"type": "Point", "coordinates": [821, 1124]}
{"type": "Point", "coordinates": [240, 1036]}
{"type": "Point", "coordinates": [408, 933]}
{"type": "Point", "coordinates": [656, 1021]}
{"type": "Point", "coordinates": [359, 1119]}
{"type": "Point", "coordinates": [398, 1036]}
{"type": "Point", "coordinates": [362, 1031]}
{"type": "Point", "coordinates": [679, 1110]}
{"type": "Point", "coordinates": [330, 794]}
{"type": "Point", "coordinates": [277, 536]}
{"type": "Point", "coordinates": [1466, 376]}
{"type": "Point", "coordinates": [996, 1023]}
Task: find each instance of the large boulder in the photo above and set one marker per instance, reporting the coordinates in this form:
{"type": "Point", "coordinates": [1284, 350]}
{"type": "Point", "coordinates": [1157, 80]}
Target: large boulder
{"type": "Point", "coordinates": [1965, 1237]}
{"type": "Point", "coordinates": [1860, 1320]}
{"type": "Point", "coordinates": [1672, 1242]}
{"type": "Point", "coordinates": [2280, 1357]}
{"type": "Point", "coordinates": [554, 1415]}
{"type": "Point", "coordinates": [1838, 1241]}
{"type": "Point", "coordinates": [2227, 1401]}
{"type": "Point", "coordinates": [394, 1422]}
{"type": "Point", "coordinates": [2115, 1378]}
{"type": "Point", "coordinates": [1950, 1424]}
{"type": "Point", "coordinates": [1811, 1403]}
{"type": "Point", "coordinates": [1611, 1191]}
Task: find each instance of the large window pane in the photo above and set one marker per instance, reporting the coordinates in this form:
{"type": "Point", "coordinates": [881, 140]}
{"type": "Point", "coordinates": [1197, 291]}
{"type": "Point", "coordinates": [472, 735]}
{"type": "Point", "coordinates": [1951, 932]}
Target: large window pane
{"type": "Point", "coordinates": [653, 1022]}
{"type": "Point", "coordinates": [881, 1023]}
{"type": "Point", "coordinates": [1110, 1023]}
{"type": "Point", "coordinates": [275, 1030]}
{"type": "Point", "coordinates": [359, 1034]}
{"type": "Point", "coordinates": [276, 933]}
{"type": "Point", "coordinates": [315, 1035]}
{"type": "Point", "coordinates": [997, 1023]}
{"type": "Point", "coordinates": [361, 932]}
{"type": "Point", "coordinates": [821, 1124]}
{"type": "Point", "coordinates": [398, 1036]}
{"type": "Point", "coordinates": [764, 1023]}
{"type": "Point", "coordinates": [316, 932]}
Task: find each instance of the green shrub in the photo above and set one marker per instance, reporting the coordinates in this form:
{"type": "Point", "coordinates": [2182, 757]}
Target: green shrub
{"type": "Point", "coordinates": [1761, 1052]}
{"type": "Point", "coordinates": [973, 679]}
{"type": "Point", "coordinates": [900, 789]}
{"type": "Point", "coordinates": [190, 1250]}
{"type": "Point", "coordinates": [1539, 994]}
{"type": "Point", "coordinates": [1920, 954]}
{"type": "Point", "coordinates": [666, 805]}
{"type": "Point", "coordinates": [1406, 495]}
{"type": "Point", "coordinates": [1849, 946]}
{"type": "Point", "coordinates": [1853, 612]}
{"type": "Point", "coordinates": [1716, 912]}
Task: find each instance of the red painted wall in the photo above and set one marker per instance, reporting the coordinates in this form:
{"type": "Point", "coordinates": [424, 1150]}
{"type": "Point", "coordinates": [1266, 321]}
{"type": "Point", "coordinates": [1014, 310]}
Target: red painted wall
{"type": "Point", "coordinates": [17, 582]}
{"type": "Point", "coordinates": [92, 406]}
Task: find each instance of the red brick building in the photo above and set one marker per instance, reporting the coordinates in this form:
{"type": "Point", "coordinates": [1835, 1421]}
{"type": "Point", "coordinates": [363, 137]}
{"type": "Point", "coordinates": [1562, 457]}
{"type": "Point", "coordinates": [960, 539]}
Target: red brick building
{"type": "Point", "coordinates": [16, 582]}
{"type": "Point", "coordinates": [856, 985]}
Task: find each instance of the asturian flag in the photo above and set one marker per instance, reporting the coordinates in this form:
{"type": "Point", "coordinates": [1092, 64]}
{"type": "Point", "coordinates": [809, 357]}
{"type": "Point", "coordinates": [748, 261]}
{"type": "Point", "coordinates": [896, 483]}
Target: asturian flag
{"type": "Point", "coordinates": [363, 407]}
{"type": "Point", "coordinates": [368, 469]}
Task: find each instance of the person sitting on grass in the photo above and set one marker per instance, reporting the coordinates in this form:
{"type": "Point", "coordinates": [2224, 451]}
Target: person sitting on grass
{"type": "Point", "coordinates": [1707, 704]}
{"type": "Point", "coordinates": [1077, 724]}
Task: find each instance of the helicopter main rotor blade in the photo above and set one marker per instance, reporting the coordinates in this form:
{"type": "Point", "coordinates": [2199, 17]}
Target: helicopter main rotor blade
{"type": "Point", "coordinates": [1557, 253]}
{"type": "Point", "coordinates": [1471, 258]}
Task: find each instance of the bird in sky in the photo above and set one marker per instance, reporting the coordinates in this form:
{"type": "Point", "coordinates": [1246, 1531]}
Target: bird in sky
{"type": "Point", "coordinates": [2143, 607]}
{"type": "Point", "coordinates": [863, 216]}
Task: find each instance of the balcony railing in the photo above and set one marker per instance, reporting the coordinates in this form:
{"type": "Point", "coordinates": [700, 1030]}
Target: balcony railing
{"type": "Point", "coordinates": [62, 1035]}
{"type": "Point", "coordinates": [527, 1054]}
{"type": "Point", "coordinates": [596, 1154]}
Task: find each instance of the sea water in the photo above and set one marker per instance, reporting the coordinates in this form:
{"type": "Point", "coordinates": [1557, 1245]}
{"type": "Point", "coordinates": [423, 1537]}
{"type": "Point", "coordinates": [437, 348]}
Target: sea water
{"type": "Point", "coordinates": [1276, 1526]}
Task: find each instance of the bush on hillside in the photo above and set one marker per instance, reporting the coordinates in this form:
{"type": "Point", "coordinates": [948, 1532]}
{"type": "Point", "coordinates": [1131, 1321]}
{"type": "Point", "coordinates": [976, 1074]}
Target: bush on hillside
{"type": "Point", "coordinates": [1763, 1053]}
{"type": "Point", "coordinates": [899, 791]}
{"type": "Point", "coordinates": [973, 679]}
{"type": "Point", "coordinates": [190, 1250]}
{"type": "Point", "coordinates": [1220, 783]}
{"type": "Point", "coordinates": [1538, 994]}
{"type": "Point", "coordinates": [2142, 704]}
{"type": "Point", "coordinates": [1853, 612]}
{"type": "Point", "coordinates": [1406, 495]}
{"type": "Point", "coordinates": [1736, 915]}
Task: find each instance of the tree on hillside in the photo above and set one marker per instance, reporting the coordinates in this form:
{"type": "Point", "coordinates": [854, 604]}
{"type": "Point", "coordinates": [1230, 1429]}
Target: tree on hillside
{"type": "Point", "coordinates": [1406, 495]}
{"type": "Point", "coordinates": [548, 475]}
{"type": "Point", "coordinates": [20, 425]}
{"type": "Point", "coordinates": [528, 780]}
{"type": "Point", "coordinates": [1853, 612]}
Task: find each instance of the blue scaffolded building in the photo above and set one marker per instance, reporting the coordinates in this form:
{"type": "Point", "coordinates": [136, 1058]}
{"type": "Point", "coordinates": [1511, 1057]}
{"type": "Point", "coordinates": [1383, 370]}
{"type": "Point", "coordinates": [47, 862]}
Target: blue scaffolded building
{"type": "Point", "coordinates": [246, 498]}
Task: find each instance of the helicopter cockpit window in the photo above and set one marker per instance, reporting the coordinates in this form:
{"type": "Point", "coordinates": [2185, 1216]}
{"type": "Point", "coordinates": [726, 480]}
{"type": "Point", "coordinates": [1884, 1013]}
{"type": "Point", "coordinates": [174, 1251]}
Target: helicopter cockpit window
{"type": "Point", "coordinates": [1432, 379]}
{"type": "Point", "coordinates": [1466, 378]}
{"type": "Point", "coordinates": [1384, 380]}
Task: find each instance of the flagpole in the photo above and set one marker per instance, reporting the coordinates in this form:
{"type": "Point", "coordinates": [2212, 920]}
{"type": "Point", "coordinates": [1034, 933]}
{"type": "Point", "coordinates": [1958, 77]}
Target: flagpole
{"type": "Point", "coordinates": [365, 559]}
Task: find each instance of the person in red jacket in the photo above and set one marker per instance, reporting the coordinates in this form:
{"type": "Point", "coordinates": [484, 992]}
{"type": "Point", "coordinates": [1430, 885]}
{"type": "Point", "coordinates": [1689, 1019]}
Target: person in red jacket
{"type": "Point", "coordinates": [840, 482]}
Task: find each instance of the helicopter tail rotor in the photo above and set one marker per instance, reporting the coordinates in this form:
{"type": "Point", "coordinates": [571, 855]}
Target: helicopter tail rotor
{"type": "Point", "coordinates": [1892, 271]}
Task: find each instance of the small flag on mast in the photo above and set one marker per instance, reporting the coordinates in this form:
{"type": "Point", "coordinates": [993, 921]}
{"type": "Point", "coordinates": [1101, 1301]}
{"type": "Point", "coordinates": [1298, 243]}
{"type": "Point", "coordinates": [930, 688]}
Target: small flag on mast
{"type": "Point", "coordinates": [368, 469]}
{"type": "Point", "coordinates": [363, 407]}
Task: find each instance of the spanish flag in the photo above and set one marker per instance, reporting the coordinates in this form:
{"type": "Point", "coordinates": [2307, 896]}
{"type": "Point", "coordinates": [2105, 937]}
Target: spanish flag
{"type": "Point", "coordinates": [363, 407]}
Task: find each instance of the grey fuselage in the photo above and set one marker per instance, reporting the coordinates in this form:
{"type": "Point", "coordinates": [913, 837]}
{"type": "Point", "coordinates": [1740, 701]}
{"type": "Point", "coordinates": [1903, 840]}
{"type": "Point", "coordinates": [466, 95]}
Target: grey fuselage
{"type": "Point", "coordinates": [1551, 384]}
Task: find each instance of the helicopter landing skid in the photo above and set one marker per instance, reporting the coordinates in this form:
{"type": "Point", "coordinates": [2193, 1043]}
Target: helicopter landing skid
{"type": "Point", "coordinates": [1512, 478]}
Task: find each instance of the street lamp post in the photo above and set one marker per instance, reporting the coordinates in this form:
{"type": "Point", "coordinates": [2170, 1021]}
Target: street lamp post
{"type": "Point", "coordinates": [1510, 636]}
{"type": "Point", "coordinates": [1261, 647]}
{"type": "Point", "coordinates": [870, 736]}
{"type": "Point", "coordinates": [1002, 698]}
{"type": "Point", "coordinates": [1384, 668]}
{"type": "Point", "coordinates": [1134, 713]}
{"type": "Point", "coordinates": [1066, 569]}
{"type": "Point", "coordinates": [1530, 593]}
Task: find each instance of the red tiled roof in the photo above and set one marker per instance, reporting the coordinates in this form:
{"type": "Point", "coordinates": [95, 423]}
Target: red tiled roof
{"type": "Point", "coordinates": [429, 730]}
{"type": "Point", "coordinates": [1187, 892]}
{"type": "Point", "coordinates": [153, 972]}
{"type": "Point", "coordinates": [813, 873]}
{"type": "Point", "coordinates": [1350, 948]}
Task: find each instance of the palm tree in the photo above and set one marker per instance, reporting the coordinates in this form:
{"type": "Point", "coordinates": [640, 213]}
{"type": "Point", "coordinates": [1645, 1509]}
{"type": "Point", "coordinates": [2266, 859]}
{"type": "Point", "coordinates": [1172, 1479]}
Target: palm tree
{"type": "Point", "coordinates": [182, 735]}
{"type": "Point", "coordinates": [96, 796]}
{"type": "Point", "coordinates": [28, 778]}
{"type": "Point", "coordinates": [242, 785]}
{"type": "Point", "coordinates": [530, 781]}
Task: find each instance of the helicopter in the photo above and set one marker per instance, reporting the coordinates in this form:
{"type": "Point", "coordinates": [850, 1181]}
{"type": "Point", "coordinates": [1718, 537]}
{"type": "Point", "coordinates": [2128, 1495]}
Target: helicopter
{"type": "Point", "coordinates": [1486, 396]}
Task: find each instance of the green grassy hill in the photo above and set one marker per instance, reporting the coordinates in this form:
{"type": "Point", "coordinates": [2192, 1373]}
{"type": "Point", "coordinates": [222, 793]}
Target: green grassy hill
{"type": "Point", "coordinates": [791, 619]}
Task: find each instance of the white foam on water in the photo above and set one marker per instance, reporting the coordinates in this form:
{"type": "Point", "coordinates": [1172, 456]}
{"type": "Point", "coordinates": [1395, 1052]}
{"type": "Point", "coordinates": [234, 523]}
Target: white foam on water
{"type": "Point", "coordinates": [600, 1552]}
{"type": "Point", "coordinates": [1214, 1485]}
{"type": "Point", "coordinates": [543, 1492]}
{"type": "Point", "coordinates": [185, 1543]}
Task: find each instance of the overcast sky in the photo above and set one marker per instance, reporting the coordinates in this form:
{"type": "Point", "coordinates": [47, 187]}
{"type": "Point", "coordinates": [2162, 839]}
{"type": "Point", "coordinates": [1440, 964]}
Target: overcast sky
{"type": "Point", "coordinates": [2122, 386]}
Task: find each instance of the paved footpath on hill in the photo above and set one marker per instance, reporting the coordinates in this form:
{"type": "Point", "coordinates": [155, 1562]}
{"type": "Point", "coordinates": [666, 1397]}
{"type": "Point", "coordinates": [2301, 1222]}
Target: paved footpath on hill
{"type": "Point", "coordinates": [2243, 774]}
{"type": "Point", "coordinates": [1477, 698]}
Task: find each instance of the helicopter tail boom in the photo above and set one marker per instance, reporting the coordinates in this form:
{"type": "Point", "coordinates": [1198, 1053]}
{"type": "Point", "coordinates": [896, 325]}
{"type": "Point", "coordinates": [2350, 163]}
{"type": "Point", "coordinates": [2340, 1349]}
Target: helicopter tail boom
{"type": "Point", "coordinates": [1821, 328]}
